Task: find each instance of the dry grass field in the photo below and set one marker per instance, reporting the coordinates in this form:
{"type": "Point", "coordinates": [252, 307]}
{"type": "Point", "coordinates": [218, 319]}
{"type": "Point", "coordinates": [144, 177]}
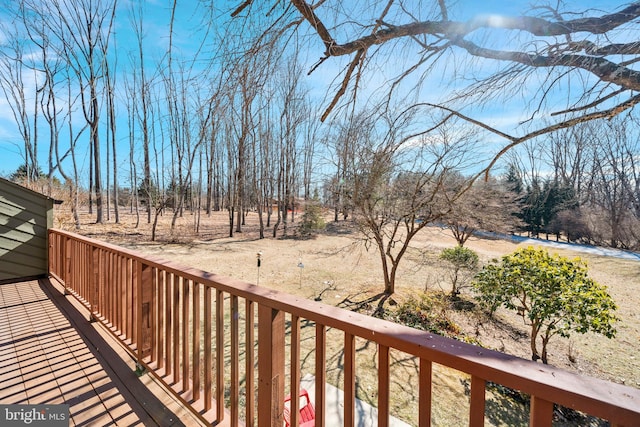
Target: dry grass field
{"type": "Point", "coordinates": [339, 270]}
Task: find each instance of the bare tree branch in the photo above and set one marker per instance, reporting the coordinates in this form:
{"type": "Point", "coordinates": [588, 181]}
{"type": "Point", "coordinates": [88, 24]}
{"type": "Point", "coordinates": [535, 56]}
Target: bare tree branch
{"type": "Point", "coordinates": [552, 42]}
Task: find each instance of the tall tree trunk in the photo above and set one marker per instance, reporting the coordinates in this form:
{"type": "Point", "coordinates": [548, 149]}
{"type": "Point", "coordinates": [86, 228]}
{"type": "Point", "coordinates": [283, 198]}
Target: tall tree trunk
{"type": "Point", "coordinates": [535, 328]}
{"type": "Point", "coordinates": [95, 140]}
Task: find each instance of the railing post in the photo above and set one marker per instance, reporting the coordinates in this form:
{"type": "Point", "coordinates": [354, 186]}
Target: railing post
{"type": "Point", "coordinates": [53, 256]}
{"type": "Point", "coordinates": [270, 366]}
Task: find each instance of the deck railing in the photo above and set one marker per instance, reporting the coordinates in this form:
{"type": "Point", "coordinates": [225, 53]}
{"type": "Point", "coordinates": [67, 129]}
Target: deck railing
{"type": "Point", "coordinates": [196, 332]}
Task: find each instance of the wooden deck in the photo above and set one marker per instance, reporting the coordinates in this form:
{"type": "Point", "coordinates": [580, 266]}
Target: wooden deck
{"type": "Point", "coordinates": [51, 354]}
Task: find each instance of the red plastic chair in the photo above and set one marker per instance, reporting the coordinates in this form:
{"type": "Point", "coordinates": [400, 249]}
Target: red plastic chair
{"type": "Point", "coordinates": [307, 412]}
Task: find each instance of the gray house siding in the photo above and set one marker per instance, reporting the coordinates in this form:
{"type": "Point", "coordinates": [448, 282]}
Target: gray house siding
{"type": "Point", "coordinates": [25, 217]}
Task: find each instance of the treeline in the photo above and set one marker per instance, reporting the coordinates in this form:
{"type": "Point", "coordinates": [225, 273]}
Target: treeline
{"type": "Point", "coordinates": [223, 123]}
{"type": "Point", "coordinates": [582, 183]}
{"type": "Point", "coordinates": [226, 123]}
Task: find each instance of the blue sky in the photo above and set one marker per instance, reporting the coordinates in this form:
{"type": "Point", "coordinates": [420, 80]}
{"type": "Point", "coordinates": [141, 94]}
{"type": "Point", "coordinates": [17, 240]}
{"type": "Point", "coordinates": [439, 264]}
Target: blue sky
{"type": "Point", "coordinates": [156, 18]}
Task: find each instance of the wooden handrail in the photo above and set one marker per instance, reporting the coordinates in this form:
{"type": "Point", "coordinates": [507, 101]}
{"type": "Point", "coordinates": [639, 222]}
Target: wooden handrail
{"type": "Point", "coordinates": [178, 321]}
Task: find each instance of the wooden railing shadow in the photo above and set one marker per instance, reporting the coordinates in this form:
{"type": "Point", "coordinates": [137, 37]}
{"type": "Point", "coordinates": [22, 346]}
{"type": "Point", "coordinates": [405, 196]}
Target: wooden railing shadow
{"type": "Point", "coordinates": [147, 407]}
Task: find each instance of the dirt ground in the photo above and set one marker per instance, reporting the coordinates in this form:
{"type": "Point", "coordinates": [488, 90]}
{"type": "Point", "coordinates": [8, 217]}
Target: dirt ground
{"type": "Point", "coordinates": [338, 268]}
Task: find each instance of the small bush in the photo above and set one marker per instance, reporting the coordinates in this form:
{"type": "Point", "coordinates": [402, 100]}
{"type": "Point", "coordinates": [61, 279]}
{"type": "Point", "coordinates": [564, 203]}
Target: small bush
{"type": "Point", "coordinates": [429, 313]}
{"type": "Point", "coordinates": [462, 260]}
{"type": "Point", "coordinates": [312, 219]}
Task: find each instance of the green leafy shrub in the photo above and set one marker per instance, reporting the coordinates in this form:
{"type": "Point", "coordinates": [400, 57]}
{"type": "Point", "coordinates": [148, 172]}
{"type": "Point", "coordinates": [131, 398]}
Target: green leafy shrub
{"type": "Point", "coordinates": [553, 294]}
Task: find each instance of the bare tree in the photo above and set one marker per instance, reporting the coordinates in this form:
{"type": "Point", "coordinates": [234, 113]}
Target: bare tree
{"type": "Point", "coordinates": [569, 153]}
{"type": "Point", "coordinates": [15, 78]}
{"type": "Point", "coordinates": [548, 47]}
{"type": "Point", "coordinates": [312, 134]}
{"type": "Point", "coordinates": [38, 67]}
{"type": "Point", "coordinates": [343, 150]}
{"type": "Point", "coordinates": [400, 182]}
{"type": "Point", "coordinates": [261, 147]}
{"type": "Point", "coordinates": [485, 206]}
{"type": "Point", "coordinates": [613, 185]}
{"type": "Point", "coordinates": [110, 95]}
{"type": "Point", "coordinates": [141, 89]}
{"type": "Point", "coordinates": [294, 112]}
{"type": "Point", "coordinates": [82, 29]}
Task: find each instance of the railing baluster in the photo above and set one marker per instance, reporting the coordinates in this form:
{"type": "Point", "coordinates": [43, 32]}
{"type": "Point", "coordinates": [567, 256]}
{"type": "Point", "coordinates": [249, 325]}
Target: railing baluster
{"type": "Point", "coordinates": [85, 271]}
{"type": "Point", "coordinates": [137, 298]}
{"type": "Point", "coordinates": [477, 402]}
{"type": "Point", "coordinates": [105, 307]}
{"type": "Point", "coordinates": [120, 278]}
{"type": "Point", "coordinates": [113, 290]}
{"type": "Point", "coordinates": [161, 319]}
{"type": "Point", "coordinates": [424, 397]}
{"type": "Point", "coordinates": [295, 370]}
{"type": "Point", "coordinates": [99, 282]}
{"type": "Point", "coordinates": [153, 313]}
{"type": "Point", "coordinates": [109, 288]}
{"type": "Point", "coordinates": [117, 277]}
{"type": "Point", "coordinates": [185, 334]}
{"type": "Point", "coordinates": [123, 297]}
{"type": "Point", "coordinates": [68, 275]}
{"type": "Point", "coordinates": [95, 268]}
{"type": "Point", "coordinates": [146, 310]}
{"type": "Point", "coordinates": [235, 360]}
{"type": "Point", "coordinates": [349, 379]}
{"type": "Point", "coordinates": [102, 273]}
{"type": "Point", "coordinates": [321, 373]}
{"type": "Point", "coordinates": [541, 413]}
{"type": "Point", "coordinates": [383, 386]}
{"type": "Point", "coordinates": [219, 355]}
{"type": "Point", "coordinates": [176, 328]}
{"type": "Point", "coordinates": [168, 324]}
{"type": "Point", "coordinates": [130, 300]}
{"type": "Point", "coordinates": [88, 276]}
{"type": "Point", "coordinates": [144, 285]}
{"type": "Point", "coordinates": [207, 349]}
{"type": "Point", "coordinates": [195, 341]}
{"type": "Point", "coordinates": [250, 363]}
{"type": "Point", "coordinates": [76, 273]}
